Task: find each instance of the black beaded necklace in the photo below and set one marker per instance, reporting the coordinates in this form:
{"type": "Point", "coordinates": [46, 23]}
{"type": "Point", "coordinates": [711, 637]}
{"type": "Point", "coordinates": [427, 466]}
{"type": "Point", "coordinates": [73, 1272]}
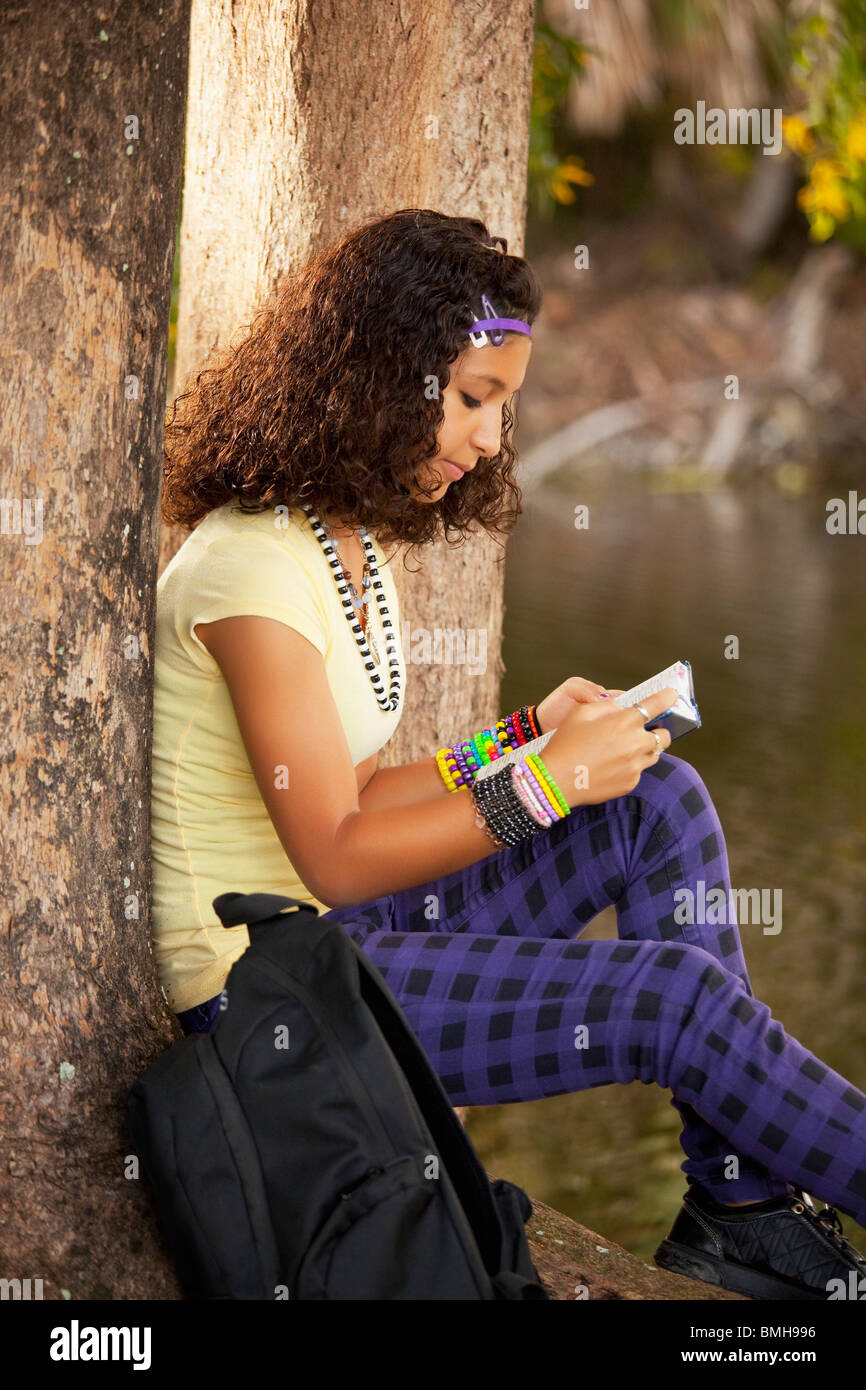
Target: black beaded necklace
{"type": "Point", "coordinates": [351, 602]}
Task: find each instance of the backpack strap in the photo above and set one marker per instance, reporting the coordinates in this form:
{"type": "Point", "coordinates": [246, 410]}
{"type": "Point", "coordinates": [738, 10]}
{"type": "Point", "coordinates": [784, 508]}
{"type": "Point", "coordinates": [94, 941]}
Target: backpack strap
{"type": "Point", "coordinates": [518, 1277]}
{"type": "Point", "coordinates": [246, 1160]}
{"type": "Point", "coordinates": [245, 909]}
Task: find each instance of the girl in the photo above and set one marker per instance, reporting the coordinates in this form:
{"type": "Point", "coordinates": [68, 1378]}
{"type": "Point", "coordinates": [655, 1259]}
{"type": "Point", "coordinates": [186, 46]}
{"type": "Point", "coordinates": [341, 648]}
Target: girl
{"type": "Point", "coordinates": [369, 406]}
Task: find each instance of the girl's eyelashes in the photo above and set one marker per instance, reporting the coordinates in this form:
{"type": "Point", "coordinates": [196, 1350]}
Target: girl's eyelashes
{"type": "Point", "coordinates": [470, 401]}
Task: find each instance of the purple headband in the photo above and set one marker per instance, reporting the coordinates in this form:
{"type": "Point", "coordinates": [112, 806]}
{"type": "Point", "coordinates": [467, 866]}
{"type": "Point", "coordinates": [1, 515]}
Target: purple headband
{"type": "Point", "coordinates": [494, 326]}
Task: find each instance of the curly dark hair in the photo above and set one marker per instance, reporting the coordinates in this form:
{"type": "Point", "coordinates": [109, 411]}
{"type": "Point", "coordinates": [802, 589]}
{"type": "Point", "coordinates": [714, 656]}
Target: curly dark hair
{"type": "Point", "coordinates": [325, 400]}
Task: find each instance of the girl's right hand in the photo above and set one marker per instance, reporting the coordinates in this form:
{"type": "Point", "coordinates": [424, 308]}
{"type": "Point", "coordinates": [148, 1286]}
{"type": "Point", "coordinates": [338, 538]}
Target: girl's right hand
{"type": "Point", "coordinates": [600, 751]}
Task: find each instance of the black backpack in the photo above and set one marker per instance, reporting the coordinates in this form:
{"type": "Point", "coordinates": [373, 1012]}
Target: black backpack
{"type": "Point", "coordinates": [306, 1148]}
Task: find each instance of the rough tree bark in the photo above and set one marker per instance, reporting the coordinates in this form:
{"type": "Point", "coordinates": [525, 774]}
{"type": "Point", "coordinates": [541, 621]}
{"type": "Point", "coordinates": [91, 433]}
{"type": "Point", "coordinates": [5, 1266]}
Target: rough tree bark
{"type": "Point", "coordinates": [303, 122]}
{"type": "Point", "coordinates": [92, 119]}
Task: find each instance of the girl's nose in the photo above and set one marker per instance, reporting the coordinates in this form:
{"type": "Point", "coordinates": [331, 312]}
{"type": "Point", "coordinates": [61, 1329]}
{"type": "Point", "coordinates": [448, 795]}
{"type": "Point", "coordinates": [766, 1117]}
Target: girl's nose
{"type": "Point", "coordinates": [485, 443]}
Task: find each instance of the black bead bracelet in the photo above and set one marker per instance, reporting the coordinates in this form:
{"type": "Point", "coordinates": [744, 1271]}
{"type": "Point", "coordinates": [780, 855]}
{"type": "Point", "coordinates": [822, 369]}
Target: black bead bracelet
{"type": "Point", "coordinates": [498, 802]}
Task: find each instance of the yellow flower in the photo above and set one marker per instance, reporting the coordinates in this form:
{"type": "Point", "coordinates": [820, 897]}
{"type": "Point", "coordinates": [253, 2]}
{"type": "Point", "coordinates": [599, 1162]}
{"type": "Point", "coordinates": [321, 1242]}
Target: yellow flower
{"type": "Point", "coordinates": [822, 226]}
{"type": "Point", "coordinates": [855, 144]}
{"type": "Point", "coordinates": [830, 196]}
{"type": "Point", "coordinates": [797, 134]}
{"type": "Point", "coordinates": [827, 171]}
{"type": "Point", "coordinates": [572, 170]}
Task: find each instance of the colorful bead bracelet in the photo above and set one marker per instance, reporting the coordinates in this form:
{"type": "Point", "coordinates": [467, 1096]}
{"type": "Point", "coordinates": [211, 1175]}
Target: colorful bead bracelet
{"type": "Point", "coordinates": [508, 811]}
{"type": "Point", "coordinates": [460, 764]}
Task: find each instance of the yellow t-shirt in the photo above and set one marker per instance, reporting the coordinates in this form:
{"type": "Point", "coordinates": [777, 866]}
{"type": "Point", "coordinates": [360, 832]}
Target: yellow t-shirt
{"type": "Point", "coordinates": [210, 829]}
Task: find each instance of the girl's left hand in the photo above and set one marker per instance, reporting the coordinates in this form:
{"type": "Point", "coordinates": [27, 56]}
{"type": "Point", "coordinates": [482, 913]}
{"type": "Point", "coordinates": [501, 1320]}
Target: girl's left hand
{"type": "Point", "coordinates": [574, 691]}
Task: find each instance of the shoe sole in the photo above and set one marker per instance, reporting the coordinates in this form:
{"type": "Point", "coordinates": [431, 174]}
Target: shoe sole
{"type": "Point", "coordinates": [727, 1274]}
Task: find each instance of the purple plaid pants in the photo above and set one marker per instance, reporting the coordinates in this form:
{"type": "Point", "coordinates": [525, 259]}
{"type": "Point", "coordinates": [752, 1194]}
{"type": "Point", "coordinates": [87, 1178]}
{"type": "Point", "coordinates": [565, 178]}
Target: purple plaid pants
{"type": "Point", "coordinates": [508, 1004]}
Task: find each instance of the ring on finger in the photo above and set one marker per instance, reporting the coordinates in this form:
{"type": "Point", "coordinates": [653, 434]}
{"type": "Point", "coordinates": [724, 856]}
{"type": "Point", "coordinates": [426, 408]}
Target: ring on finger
{"type": "Point", "coordinates": [658, 747]}
{"type": "Point", "coordinates": [645, 712]}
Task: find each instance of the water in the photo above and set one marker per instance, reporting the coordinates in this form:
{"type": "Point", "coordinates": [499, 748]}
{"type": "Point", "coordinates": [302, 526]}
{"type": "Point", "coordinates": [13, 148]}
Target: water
{"type": "Point", "coordinates": [657, 578]}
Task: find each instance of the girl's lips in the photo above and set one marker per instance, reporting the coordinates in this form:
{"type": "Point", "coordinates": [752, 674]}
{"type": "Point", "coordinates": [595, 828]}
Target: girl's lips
{"type": "Point", "coordinates": [452, 469]}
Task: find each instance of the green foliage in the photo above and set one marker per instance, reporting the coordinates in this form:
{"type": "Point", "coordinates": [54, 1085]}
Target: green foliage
{"type": "Point", "coordinates": [556, 59]}
{"type": "Point", "coordinates": [829, 132]}
{"type": "Point", "coordinates": [826, 56]}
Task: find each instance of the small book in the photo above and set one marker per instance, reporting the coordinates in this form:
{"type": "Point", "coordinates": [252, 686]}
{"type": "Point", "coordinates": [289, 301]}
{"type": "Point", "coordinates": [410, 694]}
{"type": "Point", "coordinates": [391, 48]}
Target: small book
{"type": "Point", "coordinates": [682, 716]}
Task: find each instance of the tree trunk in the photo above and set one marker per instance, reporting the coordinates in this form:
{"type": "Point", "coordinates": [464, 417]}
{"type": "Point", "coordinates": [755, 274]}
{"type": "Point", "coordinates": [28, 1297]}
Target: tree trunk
{"type": "Point", "coordinates": [302, 124]}
{"type": "Point", "coordinates": [92, 111]}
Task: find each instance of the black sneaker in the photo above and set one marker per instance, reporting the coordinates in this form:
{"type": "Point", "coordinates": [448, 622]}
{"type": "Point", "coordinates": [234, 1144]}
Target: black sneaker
{"type": "Point", "coordinates": [775, 1249]}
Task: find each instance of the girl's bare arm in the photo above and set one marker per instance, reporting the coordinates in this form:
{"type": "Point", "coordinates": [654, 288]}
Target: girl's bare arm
{"type": "Point", "coordinates": [402, 786]}
{"type": "Point", "coordinates": [301, 761]}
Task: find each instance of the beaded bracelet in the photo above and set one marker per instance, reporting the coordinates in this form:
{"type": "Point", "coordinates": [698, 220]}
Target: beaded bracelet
{"type": "Point", "coordinates": [460, 764]}
{"type": "Point", "coordinates": [542, 783]}
{"type": "Point", "coordinates": [534, 786]}
{"type": "Point", "coordinates": [503, 814]}
{"type": "Point", "coordinates": [537, 808]}
{"type": "Point", "coordinates": [548, 785]}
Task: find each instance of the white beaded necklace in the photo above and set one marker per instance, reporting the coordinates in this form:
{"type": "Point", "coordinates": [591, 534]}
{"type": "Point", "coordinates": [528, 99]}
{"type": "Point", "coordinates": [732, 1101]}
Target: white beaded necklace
{"type": "Point", "coordinates": [392, 699]}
